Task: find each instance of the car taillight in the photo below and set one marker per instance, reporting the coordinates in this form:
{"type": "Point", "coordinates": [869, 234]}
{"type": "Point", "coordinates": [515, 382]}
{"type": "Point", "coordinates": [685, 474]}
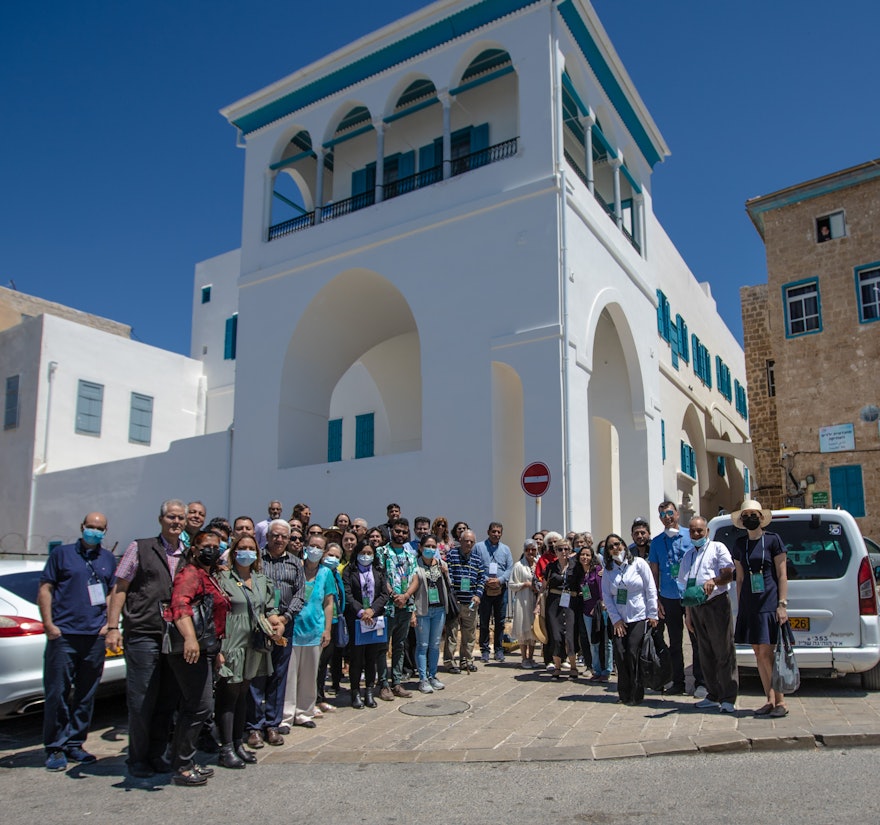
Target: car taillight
{"type": "Point", "coordinates": [867, 591]}
{"type": "Point", "coordinates": [11, 626]}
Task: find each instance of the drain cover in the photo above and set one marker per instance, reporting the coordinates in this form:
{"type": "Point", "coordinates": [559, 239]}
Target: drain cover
{"type": "Point", "coordinates": [434, 707]}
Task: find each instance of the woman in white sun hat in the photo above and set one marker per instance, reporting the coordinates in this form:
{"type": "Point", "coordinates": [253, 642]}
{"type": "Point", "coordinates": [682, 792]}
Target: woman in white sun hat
{"type": "Point", "coordinates": [762, 591]}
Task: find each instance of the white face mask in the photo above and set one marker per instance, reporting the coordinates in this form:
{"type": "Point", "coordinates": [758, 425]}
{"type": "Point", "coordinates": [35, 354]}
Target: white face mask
{"type": "Point", "coordinates": [314, 554]}
{"type": "Point", "coordinates": [620, 557]}
{"type": "Point", "coordinates": [672, 532]}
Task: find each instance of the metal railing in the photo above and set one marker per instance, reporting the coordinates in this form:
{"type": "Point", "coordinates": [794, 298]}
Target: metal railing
{"type": "Point", "coordinates": [412, 182]}
{"type": "Point", "coordinates": [483, 157]}
{"type": "Point", "coordinates": [352, 204]}
{"type": "Point", "coordinates": [293, 225]}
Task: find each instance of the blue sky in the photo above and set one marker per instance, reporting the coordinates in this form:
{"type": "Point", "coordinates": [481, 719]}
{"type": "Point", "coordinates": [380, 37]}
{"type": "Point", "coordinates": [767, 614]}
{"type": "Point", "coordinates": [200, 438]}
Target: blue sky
{"type": "Point", "coordinates": [118, 174]}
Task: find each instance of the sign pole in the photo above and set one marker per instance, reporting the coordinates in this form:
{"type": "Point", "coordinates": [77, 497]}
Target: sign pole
{"type": "Point", "coordinates": [537, 513]}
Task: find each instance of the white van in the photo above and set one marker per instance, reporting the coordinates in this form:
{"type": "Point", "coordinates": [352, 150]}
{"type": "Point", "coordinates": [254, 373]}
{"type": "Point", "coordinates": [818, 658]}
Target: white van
{"type": "Point", "coordinates": [832, 598]}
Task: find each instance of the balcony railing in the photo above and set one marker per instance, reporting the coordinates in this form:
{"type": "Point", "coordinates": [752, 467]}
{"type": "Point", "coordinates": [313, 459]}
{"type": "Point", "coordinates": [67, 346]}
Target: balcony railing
{"type": "Point", "coordinates": [352, 204]}
{"type": "Point", "coordinates": [427, 177]}
{"type": "Point", "coordinates": [293, 225]}
{"type": "Point", "coordinates": [499, 151]}
{"type": "Point", "coordinates": [412, 182]}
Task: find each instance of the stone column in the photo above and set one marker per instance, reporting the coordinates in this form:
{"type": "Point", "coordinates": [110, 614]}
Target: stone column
{"type": "Point", "coordinates": [587, 121]}
{"type": "Point", "coordinates": [319, 183]}
{"type": "Point", "coordinates": [616, 163]}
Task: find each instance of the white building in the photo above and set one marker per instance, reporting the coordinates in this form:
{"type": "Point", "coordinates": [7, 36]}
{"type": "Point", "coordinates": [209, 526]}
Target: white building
{"type": "Point", "coordinates": [468, 277]}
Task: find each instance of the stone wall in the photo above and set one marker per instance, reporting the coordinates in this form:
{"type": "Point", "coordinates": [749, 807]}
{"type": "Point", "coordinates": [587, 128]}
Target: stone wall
{"type": "Point", "coordinates": [16, 305]}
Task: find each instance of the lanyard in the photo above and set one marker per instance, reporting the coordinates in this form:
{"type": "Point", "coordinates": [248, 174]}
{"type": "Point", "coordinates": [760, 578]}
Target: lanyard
{"type": "Point", "coordinates": [85, 558]}
{"type": "Point", "coordinates": [697, 558]}
{"type": "Point", "coordinates": [622, 568]}
{"type": "Point", "coordinates": [749, 556]}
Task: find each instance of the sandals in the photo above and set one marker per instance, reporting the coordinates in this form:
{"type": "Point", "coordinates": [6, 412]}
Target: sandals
{"type": "Point", "coordinates": [764, 710]}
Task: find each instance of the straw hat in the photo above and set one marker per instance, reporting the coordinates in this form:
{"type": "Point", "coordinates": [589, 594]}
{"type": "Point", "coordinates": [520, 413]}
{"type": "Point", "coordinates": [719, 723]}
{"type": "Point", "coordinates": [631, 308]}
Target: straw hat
{"type": "Point", "coordinates": [751, 504]}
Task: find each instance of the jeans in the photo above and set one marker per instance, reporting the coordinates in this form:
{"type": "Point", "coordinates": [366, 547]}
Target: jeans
{"type": "Point", "coordinates": [152, 698]}
{"type": "Point", "coordinates": [429, 628]}
{"type": "Point", "coordinates": [76, 660]}
{"type": "Point", "coordinates": [265, 704]}
{"type": "Point", "coordinates": [594, 650]}
{"type": "Point", "coordinates": [493, 609]}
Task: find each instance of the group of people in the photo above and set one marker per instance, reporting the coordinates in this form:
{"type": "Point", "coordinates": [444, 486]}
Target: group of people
{"type": "Point", "coordinates": [241, 622]}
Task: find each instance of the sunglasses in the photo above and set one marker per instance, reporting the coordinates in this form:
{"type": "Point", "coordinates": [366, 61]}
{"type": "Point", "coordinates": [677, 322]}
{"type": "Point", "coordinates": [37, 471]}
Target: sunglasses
{"type": "Point", "coordinates": [667, 513]}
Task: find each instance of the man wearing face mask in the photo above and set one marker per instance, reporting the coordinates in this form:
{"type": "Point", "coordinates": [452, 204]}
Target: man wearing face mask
{"type": "Point", "coordinates": [73, 607]}
{"type": "Point", "coordinates": [708, 566]}
{"type": "Point", "coordinates": [667, 551]}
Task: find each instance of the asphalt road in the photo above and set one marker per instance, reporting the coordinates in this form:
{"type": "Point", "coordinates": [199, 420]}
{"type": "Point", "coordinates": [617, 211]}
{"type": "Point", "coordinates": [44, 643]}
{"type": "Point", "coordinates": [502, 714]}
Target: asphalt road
{"type": "Point", "coordinates": [803, 787]}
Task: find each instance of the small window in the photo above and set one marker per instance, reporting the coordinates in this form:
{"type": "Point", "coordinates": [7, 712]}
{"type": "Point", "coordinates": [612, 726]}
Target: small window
{"type": "Point", "coordinates": [721, 466]}
{"type": "Point", "coordinates": [771, 378]}
{"type": "Point", "coordinates": [334, 439]}
{"type": "Point", "coordinates": [688, 460]}
{"type": "Point", "coordinates": [829, 227]}
{"type": "Point", "coordinates": [140, 423]}
{"type": "Point", "coordinates": [206, 294]}
{"type": "Point", "coordinates": [11, 407]}
{"type": "Point", "coordinates": [363, 435]}
{"type": "Point", "coordinates": [803, 314]}
{"type": "Point", "coordinates": [663, 439]}
{"type": "Point", "coordinates": [747, 485]}
{"type": "Point", "coordinates": [231, 338]}
{"type": "Point", "coordinates": [664, 321]}
{"type": "Point", "coordinates": [89, 406]}
{"type": "Point", "coordinates": [868, 292]}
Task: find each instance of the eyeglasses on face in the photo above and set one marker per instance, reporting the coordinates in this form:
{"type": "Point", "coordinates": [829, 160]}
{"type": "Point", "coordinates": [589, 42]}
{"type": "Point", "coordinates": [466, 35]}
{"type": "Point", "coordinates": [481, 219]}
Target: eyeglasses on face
{"type": "Point", "coordinates": [613, 545]}
{"type": "Point", "coordinates": [667, 513]}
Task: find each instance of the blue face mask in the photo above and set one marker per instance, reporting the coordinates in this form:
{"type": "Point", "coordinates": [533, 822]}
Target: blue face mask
{"type": "Point", "coordinates": [224, 546]}
{"type": "Point", "coordinates": [365, 561]}
{"type": "Point", "coordinates": [92, 536]}
{"type": "Point", "coordinates": [331, 561]}
{"type": "Point", "coordinates": [429, 552]}
{"type": "Point", "coordinates": [245, 557]}
{"type": "Point", "coordinates": [699, 542]}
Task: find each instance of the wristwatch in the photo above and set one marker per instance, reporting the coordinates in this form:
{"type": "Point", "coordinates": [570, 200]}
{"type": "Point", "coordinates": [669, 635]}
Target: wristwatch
{"type": "Point", "coordinates": [782, 603]}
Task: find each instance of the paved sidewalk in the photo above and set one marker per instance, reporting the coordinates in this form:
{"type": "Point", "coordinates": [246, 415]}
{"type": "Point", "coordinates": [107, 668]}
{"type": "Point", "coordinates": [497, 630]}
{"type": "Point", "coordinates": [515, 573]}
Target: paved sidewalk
{"type": "Point", "coordinates": [523, 715]}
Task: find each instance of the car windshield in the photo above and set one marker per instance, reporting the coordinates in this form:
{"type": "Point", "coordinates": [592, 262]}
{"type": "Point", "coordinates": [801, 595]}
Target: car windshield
{"type": "Point", "coordinates": [816, 549]}
{"type": "Point", "coordinates": [24, 584]}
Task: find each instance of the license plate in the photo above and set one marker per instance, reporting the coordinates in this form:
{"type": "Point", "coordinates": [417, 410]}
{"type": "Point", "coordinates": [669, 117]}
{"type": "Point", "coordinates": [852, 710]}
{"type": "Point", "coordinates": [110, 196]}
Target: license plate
{"type": "Point", "coordinates": [112, 654]}
{"type": "Point", "coordinates": [799, 622]}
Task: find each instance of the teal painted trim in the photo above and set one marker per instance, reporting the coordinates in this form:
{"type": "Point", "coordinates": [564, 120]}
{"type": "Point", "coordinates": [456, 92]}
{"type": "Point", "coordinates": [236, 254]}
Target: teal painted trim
{"type": "Point", "coordinates": [289, 161]}
{"type": "Point", "coordinates": [795, 285]}
{"type": "Point", "coordinates": [411, 110]}
{"type": "Point", "coordinates": [456, 25]}
{"type": "Point", "coordinates": [569, 87]}
{"type": "Point", "coordinates": [481, 80]}
{"type": "Point", "coordinates": [631, 179]}
{"type": "Point", "coordinates": [289, 202]}
{"type": "Point", "coordinates": [598, 134]}
{"type": "Point", "coordinates": [608, 81]}
{"type": "Point", "coordinates": [856, 272]}
{"type": "Point", "coordinates": [342, 138]}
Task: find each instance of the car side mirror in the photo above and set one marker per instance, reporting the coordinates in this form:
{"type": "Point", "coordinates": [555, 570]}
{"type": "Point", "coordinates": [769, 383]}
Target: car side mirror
{"type": "Point", "coordinates": [877, 573]}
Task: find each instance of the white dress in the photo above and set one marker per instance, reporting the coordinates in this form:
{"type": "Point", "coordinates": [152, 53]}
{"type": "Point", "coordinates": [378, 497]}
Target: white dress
{"type": "Point", "coordinates": [520, 586]}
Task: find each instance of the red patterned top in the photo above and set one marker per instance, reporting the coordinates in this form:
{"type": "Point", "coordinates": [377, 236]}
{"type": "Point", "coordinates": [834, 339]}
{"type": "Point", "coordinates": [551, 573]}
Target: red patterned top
{"type": "Point", "coordinates": [191, 583]}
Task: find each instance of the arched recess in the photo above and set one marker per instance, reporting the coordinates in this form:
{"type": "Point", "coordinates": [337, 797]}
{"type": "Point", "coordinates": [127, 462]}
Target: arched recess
{"type": "Point", "coordinates": [294, 182]}
{"type": "Point", "coordinates": [692, 486]}
{"type": "Point", "coordinates": [508, 449]}
{"type": "Point", "coordinates": [619, 486]}
{"type": "Point", "coordinates": [342, 359]}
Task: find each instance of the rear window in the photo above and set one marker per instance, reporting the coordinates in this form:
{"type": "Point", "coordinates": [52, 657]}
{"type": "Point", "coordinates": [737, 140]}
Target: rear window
{"type": "Point", "coordinates": [24, 584]}
{"type": "Point", "coordinates": [816, 549]}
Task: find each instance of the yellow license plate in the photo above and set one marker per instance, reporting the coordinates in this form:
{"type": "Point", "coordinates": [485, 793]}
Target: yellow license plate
{"type": "Point", "coordinates": [112, 654]}
{"type": "Point", "coordinates": [799, 622]}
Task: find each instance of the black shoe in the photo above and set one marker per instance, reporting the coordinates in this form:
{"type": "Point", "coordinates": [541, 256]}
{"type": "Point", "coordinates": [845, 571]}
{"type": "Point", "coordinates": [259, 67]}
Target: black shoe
{"type": "Point", "coordinates": [453, 669]}
{"type": "Point", "coordinates": [675, 690]}
{"type": "Point", "coordinates": [307, 724]}
{"type": "Point", "coordinates": [356, 701]}
{"type": "Point", "coordinates": [471, 667]}
{"type": "Point", "coordinates": [369, 701]}
{"type": "Point", "coordinates": [191, 777]}
{"type": "Point", "coordinates": [284, 729]}
{"type": "Point", "coordinates": [243, 753]}
{"type": "Point", "coordinates": [229, 758]}
{"type": "Point", "coordinates": [204, 770]}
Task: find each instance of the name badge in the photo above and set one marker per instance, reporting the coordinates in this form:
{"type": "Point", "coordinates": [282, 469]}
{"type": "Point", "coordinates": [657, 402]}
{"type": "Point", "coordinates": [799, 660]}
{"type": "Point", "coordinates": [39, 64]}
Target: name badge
{"type": "Point", "coordinates": [692, 582]}
{"type": "Point", "coordinates": [757, 582]}
{"type": "Point", "coordinates": [565, 599]}
{"type": "Point", "coordinates": [96, 594]}
{"type": "Point", "coordinates": [674, 568]}
{"type": "Point", "coordinates": [465, 584]}
{"type": "Point", "coordinates": [621, 596]}
{"type": "Point", "coordinates": [433, 594]}
{"type": "Point", "coordinates": [493, 568]}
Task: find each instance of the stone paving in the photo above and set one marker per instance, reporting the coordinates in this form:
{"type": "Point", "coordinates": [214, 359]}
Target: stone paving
{"type": "Point", "coordinates": [524, 715]}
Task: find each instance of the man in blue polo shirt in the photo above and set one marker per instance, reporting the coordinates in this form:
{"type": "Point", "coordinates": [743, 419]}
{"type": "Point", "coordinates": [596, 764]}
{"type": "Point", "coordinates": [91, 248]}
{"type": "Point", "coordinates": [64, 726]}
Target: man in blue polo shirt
{"type": "Point", "coordinates": [73, 607]}
{"type": "Point", "coordinates": [667, 551]}
{"type": "Point", "coordinates": [498, 564]}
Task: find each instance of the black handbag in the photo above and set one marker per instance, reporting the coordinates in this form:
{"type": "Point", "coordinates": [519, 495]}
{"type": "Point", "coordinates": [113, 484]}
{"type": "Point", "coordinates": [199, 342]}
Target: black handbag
{"type": "Point", "coordinates": [261, 641]}
{"type": "Point", "coordinates": [655, 660]}
{"type": "Point", "coordinates": [452, 606]}
{"type": "Point", "coordinates": [203, 622]}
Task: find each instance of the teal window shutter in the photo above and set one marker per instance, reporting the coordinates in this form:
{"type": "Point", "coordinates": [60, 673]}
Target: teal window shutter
{"type": "Point", "coordinates": [89, 408]}
{"type": "Point", "coordinates": [406, 165]}
{"type": "Point", "coordinates": [11, 411]}
{"type": "Point", "coordinates": [363, 435]}
{"type": "Point", "coordinates": [334, 439]}
{"type": "Point", "coordinates": [747, 488]}
{"type": "Point", "coordinates": [682, 327]}
{"type": "Point", "coordinates": [426, 158]}
{"type": "Point", "coordinates": [140, 422]}
{"type": "Point", "coordinates": [722, 466]}
{"type": "Point", "coordinates": [358, 182]}
{"type": "Point", "coordinates": [847, 490]}
{"type": "Point", "coordinates": [663, 439]}
{"type": "Point", "coordinates": [480, 137]}
{"type": "Point", "coordinates": [230, 340]}
{"type": "Point", "coordinates": [673, 343]}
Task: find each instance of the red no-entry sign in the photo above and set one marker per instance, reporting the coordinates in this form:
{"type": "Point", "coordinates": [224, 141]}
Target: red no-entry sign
{"type": "Point", "coordinates": [536, 479]}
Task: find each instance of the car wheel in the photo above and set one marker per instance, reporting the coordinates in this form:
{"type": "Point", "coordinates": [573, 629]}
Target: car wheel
{"type": "Point", "coordinates": [871, 678]}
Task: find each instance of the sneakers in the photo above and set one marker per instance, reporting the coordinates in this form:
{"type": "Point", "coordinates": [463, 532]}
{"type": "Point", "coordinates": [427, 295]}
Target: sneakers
{"type": "Point", "coordinates": [435, 683]}
{"type": "Point", "coordinates": [705, 704]}
{"type": "Point", "coordinates": [425, 686]}
{"type": "Point", "coordinates": [727, 707]}
{"type": "Point", "coordinates": [551, 667]}
{"type": "Point", "coordinates": [56, 761]}
{"type": "Point", "coordinates": [485, 657]}
{"type": "Point", "coordinates": [77, 754]}
{"type": "Point", "coordinates": [700, 692]}
{"type": "Point", "coordinates": [499, 655]}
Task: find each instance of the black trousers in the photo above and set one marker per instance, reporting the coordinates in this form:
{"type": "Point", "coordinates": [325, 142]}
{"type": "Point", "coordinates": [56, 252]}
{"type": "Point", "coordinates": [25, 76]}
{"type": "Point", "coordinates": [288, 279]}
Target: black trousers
{"type": "Point", "coordinates": [324, 662]}
{"type": "Point", "coordinates": [713, 624]}
{"type": "Point", "coordinates": [626, 659]}
{"type": "Point", "coordinates": [230, 707]}
{"type": "Point", "coordinates": [674, 624]}
{"type": "Point", "coordinates": [492, 610]}
{"type": "Point", "coordinates": [364, 660]}
{"type": "Point", "coordinates": [196, 685]}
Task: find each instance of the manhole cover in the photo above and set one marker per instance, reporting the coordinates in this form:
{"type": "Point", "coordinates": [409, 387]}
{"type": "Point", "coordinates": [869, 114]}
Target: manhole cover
{"type": "Point", "coordinates": [434, 707]}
